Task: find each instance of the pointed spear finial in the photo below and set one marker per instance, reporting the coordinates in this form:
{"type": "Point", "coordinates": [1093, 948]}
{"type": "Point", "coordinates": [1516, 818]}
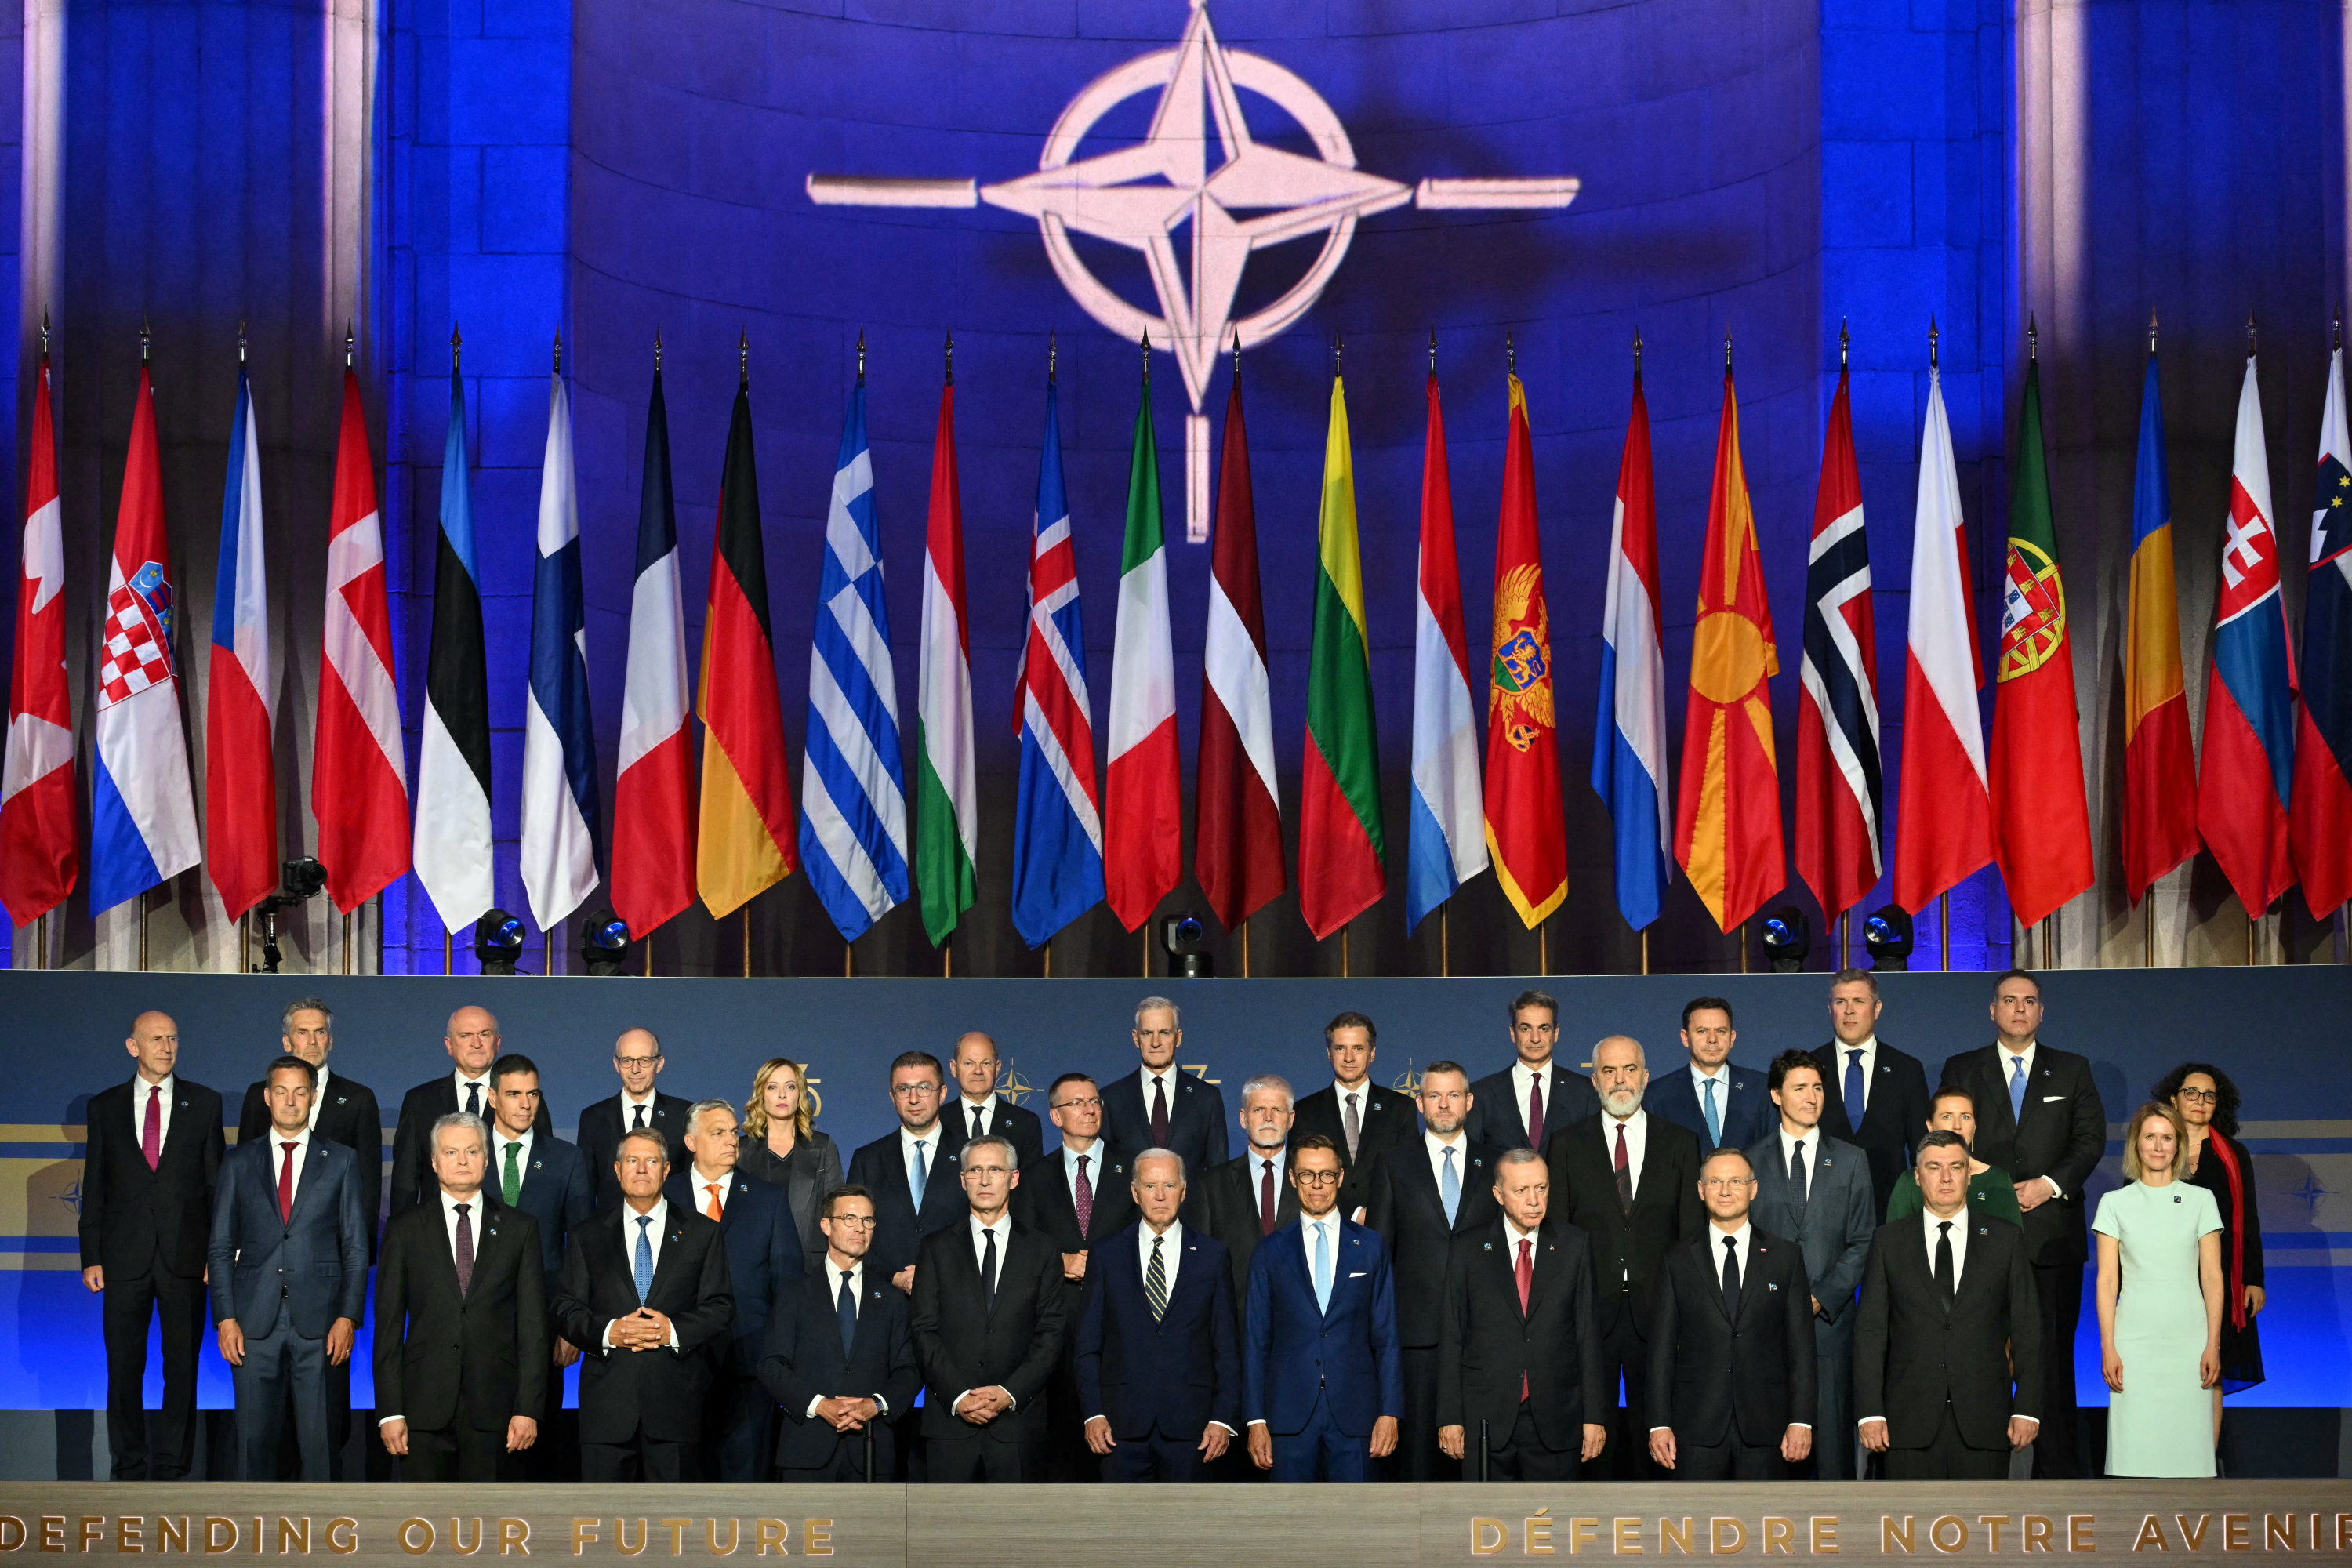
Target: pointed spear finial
{"type": "Point", "coordinates": [2339, 327]}
{"type": "Point", "coordinates": [1510, 353]}
{"type": "Point", "coordinates": [744, 358]}
{"type": "Point", "coordinates": [559, 351]}
{"type": "Point", "coordinates": [1338, 347]}
{"type": "Point", "coordinates": [1637, 352]}
{"type": "Point", "coordinates": [1845, 343]}
{"type": "Point", "coordinates": [861, 356]}
{"type": "Point", "coordinates": [1933, 335]}
{"type": "Point", "coordinates": [456, 346]}
{"type": "Point", "coordinates": [351, 341]}
{"type": "Point", "coordinates": [1053, 356]}
{"type": "Point", "coordinates": [1726, 353]}
{"type": "Point", "coordinates": [950, 357]}
{"type": "Point", "coordinates": [1433, 351]}
{"type": "Point", "coordinates": [240, 342]}
{"type": "Point", "coordinates": [1237, 353]}
{"type": "Point", "coordinates": [1146, 340]}
{"type": "Point", "coordinates": [656, 348]}
{"type": "Point", "coordinates": [2032, 338]}
{"type": "Point", "coordinates": [146, 336]}
{"type": "Point", "coordinates": [2151, 331]}
{"type": "Point", "coordinates": [45, 332]}
{"type": "Point", "coordinates": [2250, 334]}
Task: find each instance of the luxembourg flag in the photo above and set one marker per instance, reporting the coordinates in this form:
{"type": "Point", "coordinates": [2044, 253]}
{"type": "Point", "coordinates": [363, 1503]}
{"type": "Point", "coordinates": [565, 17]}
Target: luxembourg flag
{"type": "Point", "coordinates": [142, 814]}
{"type": "Point", "coordinates": [1629, 732]}
{"type": "Point", "coordinates": [1446, 842]}
{"type": "Point", "coordinates": [559, 744]}
{"type": "Point", "coordinates": [240, 784]}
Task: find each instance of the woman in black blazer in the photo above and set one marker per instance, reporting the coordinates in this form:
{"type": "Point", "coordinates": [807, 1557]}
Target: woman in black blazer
{"type": "Point", "coordinates": [783, 1148]}
{"type": "Point", "coordinates": [2208, 1102]}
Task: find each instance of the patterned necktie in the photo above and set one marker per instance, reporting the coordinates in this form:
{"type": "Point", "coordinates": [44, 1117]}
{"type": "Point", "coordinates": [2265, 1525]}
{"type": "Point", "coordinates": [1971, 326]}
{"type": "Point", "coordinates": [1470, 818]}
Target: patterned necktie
{"type": "Point", "coordinates": [1266, 1198]}
{"type": "Point", "coordinates": [922, 1174]}
{"type": "Point", "coordinates": [473, 1100]}
{"type": "Point", "coordinates": [717, 1210]}
{"type": "Point", "coordinates": [988, 1269]}
{"type": "Point", "coordinates": [1355, 1127]}
{"type": "Point", "coordinates": [1797, 1171]}
{"type": "Point", "coordinates": [464, 1254]}
{"type": "Point", "coordinates": [1155, 1282]}
{"type": "Point", "coordinates": [286, 1186]}
{"type": "Point", "coordinates": [1449, 1187]}
{"type": "Point", "coordinates": [151, 1134]}
{"type": "Point", "coordinates": [1624, 1173]}
{"type": "Point", "coordinates": [642, 1267]}
{"type": "Point", "coordinates": [845, 1311]}
{"type": "Point", "coordinates": [2017, 1088]}
{"type": "Point", "coordinates": [1083, 1197]}
{"type": "Point", "coordinates": [1731, 1276]}
{"type": "Point", "coordinates": [1535, 1114]}
{"type": "Point", "coordinates": [1854, 1106]}
{"type": "Point", "coordinates": [510, 1184]}
{"type": "Point", "coordinates": [1526, 1272]}
{"type": "Point", "coordinates": [1159, 1113]}
{"type": "Point", "coordinates": [1322, 1270]}
{"type": "Point", "coordinates": [1714, 1117]}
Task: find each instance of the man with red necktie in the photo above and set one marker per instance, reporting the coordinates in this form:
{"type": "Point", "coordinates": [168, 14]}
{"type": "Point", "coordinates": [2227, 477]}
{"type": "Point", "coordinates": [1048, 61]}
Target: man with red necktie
{"type": "Point", "coordinates": [1530, 1101]}
{"type": "Point", "coordinates": [1164, 1105]}
{"type": "Point", "coordinates": [1078, 1194]}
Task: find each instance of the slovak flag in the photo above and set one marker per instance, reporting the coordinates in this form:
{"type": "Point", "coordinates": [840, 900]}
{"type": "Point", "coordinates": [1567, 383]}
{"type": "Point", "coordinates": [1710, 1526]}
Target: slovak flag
{"type": "Point", "coordinates": [240, 784]}
{"type": "Point", "coordinates": [142, 814]}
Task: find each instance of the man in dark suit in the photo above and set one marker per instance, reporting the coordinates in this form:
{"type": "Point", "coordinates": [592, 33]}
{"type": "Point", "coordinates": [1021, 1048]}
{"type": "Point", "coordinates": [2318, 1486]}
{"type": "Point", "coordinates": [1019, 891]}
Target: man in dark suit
{"type": "Point", "coordinates": [471, 1037]}
{"type": "Point", "coordinates": [1077, 1195]}
{"type": "Point", "coordinates": [645, 1289]}
{"type": "Point", "coordinates": [1322, 1379]}
{"type": "Point", "coordinates": [839, 1359]}
{"type": "Point", "coordinates": [913, 1182]}
{"type": "Point", "coordinates": [2040, 1118]}
{"type": "Point", "coordinates": [1423, 1194]}
{"type": "Point", "coordinates": [988, 1329]}
{"type": "Point", "coordinates": [1520, 1394]}
{"type": "Point", "coordinates": [1523, 1106]}
{"type": "Point", "coordinates": [1948, 1311]}
{"type": "Point", "coordinates": [1365, 1120]}
{"type": "Point", "coordinates": [1726, 1105]}
{"type": "Point", "coordinates": [461, 1360]}
{"type": "Point", "coordinates": [978, 1110]}
{"type": "Point", "coordinates": [637, 1059]}
{"type": "Point", "coordinates": [1244, 1201]}
{"type": "Point", "coordinates": [546, 1178]}
{"type": "Point", "coordinates": [1158, 1366]}
{"type": "Point", "coordinates": [1877, 1095]}
{"type": "Point", "coordinates": [149, 1165]}
{"type": "Point", "coordinates": [1816, 1191]}
{"type": "Point", "coordinates": [1159, 1105]}
{"type": "Point", "coordinates": [1630, 1181]}
{"type": "Point", "coordinates": [1731, 1342]}
{"type": "Point", "coordinates": [343, 1112]}
{"type": "Point", "coordinates": [288, 1263]}
{"type": "Point", "coordinates": [763, 1261]}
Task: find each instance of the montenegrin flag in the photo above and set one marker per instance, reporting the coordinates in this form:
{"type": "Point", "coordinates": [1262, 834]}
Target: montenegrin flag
{"type": "Point", "coordinates": [240, 774]}
{"type": "Point", "coordinates": [1341, 843]}
{"type": "Point", "coordinates": [653, 788]}
{"type": "Point", "coordinates": [1237, 811]}
{"type": "Point", "coordinates": [1527, 828]}
{"type": "Point", "coordinates": [1841, 790]}
{"type": "Point", "coordinates": [2320, 824]}
{"type": "Point", "coordinates": [946, 801]}
{"type": "Point", "coordinates": [1446, 839]}
{"type": "Point", "coordinates": [2159, 795]}
{"type": "Point", "coordinates": [1143, 806]}
{"type": "Point", "coordinates": [40, 856]}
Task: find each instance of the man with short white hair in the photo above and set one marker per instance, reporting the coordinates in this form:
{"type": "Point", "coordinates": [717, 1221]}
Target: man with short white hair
{"type": "Point", "coordinates": [1245, 1200]}
{"type": "Point", "coordinates": [1161, 1104]}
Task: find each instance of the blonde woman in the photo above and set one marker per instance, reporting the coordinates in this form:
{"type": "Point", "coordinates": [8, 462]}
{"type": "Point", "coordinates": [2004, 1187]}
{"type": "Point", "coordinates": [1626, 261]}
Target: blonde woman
{"type": "Point", "coordinates": [783, 1148]}
{"type": "Point", "coordinates": [2160, 1305]}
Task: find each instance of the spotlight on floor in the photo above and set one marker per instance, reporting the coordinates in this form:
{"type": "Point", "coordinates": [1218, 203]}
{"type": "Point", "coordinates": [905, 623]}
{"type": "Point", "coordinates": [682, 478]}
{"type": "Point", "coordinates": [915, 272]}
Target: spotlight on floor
{"type": "Point", "coordinates": [498, 941]}
{"type": "Point", "coordinates": [1887, 935]}
{"type": "Point", "coordinates": [1787, 938]}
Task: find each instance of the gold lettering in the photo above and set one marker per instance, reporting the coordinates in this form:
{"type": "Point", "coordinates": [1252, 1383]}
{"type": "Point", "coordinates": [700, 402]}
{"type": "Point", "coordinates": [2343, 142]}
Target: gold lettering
{"type": "Point", "coordinates": [293, 1535]}
{"type": "Point", "coordinates": [342, 1536]}
{"type": "Point", "coordinates": [1628, 1536]}
{"type": "Point", "coordinates": [1537, 1542]}
{"type": "Point", "coordinates": [1826, 1536]}
{"type": "Point", "coordinates": [1994, 1524]}
{"type": "Point", "coordinates": [816, 1538]}
{"type": "Point", "coordinates": [1778, 1533]}
{"type": "Point", "coordinates": [12, 1532]}
{"type": "Point", "coordinates": [1480, 1544]}
{"type": "Point", "coordinates": [2234, 1529]}
{"type": "Point", "coordinates": [257, 1535]}
{"type": "Point", "coordinates": [676, 1527]}
{"type": "Point", "coordinates": [773, 1532]}
{"type": "Point", "coordinates": [1581, 1533]}
{"type": "Point", "coordinates": [1959, 1532]}
{"type": "Point", "coordinates": [406, 1536]}
{"type": "Point", "coordinates": [172, 1533]}
{"type": "Point", "coordinates": [1678, 1536]}
{"type": "Point", "coordinates": [2342, 1533]}
{"type": "Point", "coordinates": [92, 1527]}
{"type": "Point", "coordinates": [514, 1535]}
{"type": "Point", "coordinates": [458, 1537]}
{"type": "Point", "coordinates": [710, 1536]}
{"type": "Point", "coordinates": [1893, 1537]}
{"type": "Point", "coordinates": [2193, 1539]}
{"type": "Point", "coordinates": [214, 1525]}
{"type": "Point", "coordinates": [584, 1533]}
{"type": "Point", "coordinates": [130, 1534]}
{"type": "Point", "coordinates": [2278, 1532]}
{"type": "Point", "coordinates": [1715, 1537]}
{"type": "Point", "coordinates": [2151, 1533]}
{"type": "Point", "coordinates": [620, 1538]}
{"type": "Point", "coordinates": [2078, 1533]}
{"type": "Point", "coordinates": [2038, 1529]}
{"type": "Point", "coordinates": [53, 1532]}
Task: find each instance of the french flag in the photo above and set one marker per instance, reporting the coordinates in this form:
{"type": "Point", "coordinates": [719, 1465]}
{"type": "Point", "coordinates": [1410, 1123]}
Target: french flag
{"type": "Point", "coordinates": [240, 787]}
{"type": "Point", "coordinates": [653, 798]}
{"type": "Point", "coordinates": [1629, 740]}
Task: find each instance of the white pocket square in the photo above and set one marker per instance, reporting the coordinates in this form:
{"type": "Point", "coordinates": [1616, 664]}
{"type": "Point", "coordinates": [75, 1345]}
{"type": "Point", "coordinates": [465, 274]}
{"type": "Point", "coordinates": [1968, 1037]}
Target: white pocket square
{"type": "Point", "coordinates": [2048, 1097]}
{"type": "Point", "coordinates": [1358, 1274]}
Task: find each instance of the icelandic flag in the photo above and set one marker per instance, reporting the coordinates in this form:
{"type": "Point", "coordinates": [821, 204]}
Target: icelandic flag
{"type": "Point", "coordinates": [853, 783]}
{"type": "Point", "coordinates": [1629, 731]}
{"type": "Point", "coordinates": [559, 744]}
{"type": "Point", "coordinates": [1445, 841]}
{"type": "Point", "coordinates": [240, 784]}
{"type": "Point", "coordinates": [1057, 862]}
{"type": "Point", "coordinates": [2321, 821]}
{"type": "Point", "coordinates": [142, 814]}
{"type": "Point", "coordinates": [652, 787]}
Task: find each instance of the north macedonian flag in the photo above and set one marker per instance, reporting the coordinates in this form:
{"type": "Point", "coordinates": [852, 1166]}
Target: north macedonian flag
{"type": "Point", "coordinates": [1526, 832]}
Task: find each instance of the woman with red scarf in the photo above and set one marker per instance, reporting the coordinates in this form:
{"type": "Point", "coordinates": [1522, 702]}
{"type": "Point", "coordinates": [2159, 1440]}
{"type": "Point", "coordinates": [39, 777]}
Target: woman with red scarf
{"type": "Point", "coordinates": [2207, 1102]}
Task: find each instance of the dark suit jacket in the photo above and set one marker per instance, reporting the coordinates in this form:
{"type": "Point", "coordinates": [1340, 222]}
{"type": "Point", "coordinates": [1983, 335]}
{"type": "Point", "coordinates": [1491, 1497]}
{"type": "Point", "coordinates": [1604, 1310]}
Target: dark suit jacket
{"type": "Point", "coordinates": [556, 1193]}
{"type": "Point", "coordinates": [812, 1170]}
{"type": "Point", "coordinates": [881, 1167]}
{"type": "Point", "coordinates": [1628, 1248]}
{"type": "Point", "coordinates": [1044, 1202]}
{"type": "Point", "coordinates": [1499, 1120]}
{"type": "Point", "coordinates": [1895, 1113]}
{"type": "Point", "coordinates": [659, 1391]}
{"type": "Point", "coordinates": [134, 1220]}
{"type": "Point", "coordinates": [763, 1255]}
{"type": "Point", "coordinates": [348, 1114]}
{"type": "Point", "coordinates": [1832, 1226]}
{"type": "Point", "coordinates": [1228, 1210]}
{"type": "Point", "coordinates": [412, 1141]}
{"type": "Point", "coordinates": [802, 1360]}
{"type": "Point", "coordinates": [1385, 1117]}
{"type": "Point", "coordinates": [1408, 1211]}
{"type": "Point", "coordinates": [600, 1139]}
{"type": "Point", "coordinates": [1174, 1374]}
{"type": "Point", "coordinates": [1743, 1104]}
{"type": "Point", "coordinates": [1197, 1127]}
{"type": "Point", "coordinates": [2062, 1136]}
{"type": "Point", "coordinates": [1007, 1120]}
{"type": "Point", "coordinates": [1015, 1345]}
{"type": "Point", "coordinates": [437, 1352]}
{"type": "Point", "coordinates": [1486, 1345]}
{"type": "Point", "coordinates": [1717, 1379]}
{"type": "Point", "coordinates": [1291, 1352]}
{"type": "Point", "coordinates": [316, 1261]}
{"type": "Point", "coordinates": [1911, 1352]}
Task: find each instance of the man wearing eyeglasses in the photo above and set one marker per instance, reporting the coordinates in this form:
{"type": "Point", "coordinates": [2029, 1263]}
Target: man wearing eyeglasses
{"type": "Point", "coordinates": [838, 1356]}
{"type": "Point", "coordinates": [1078, 1193]}
{"type": "Point", "coordinates": [914, 1183]}
{"type": "Point", "coordinates": [638, 1107]}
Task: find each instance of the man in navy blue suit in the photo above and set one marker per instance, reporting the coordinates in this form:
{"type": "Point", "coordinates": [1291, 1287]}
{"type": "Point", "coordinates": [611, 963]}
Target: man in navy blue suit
{"type": "Point", "coordinates": [839, 1359]}
{"type": "Point", "coordinates": [540, 1175]}
{"type": "Point", "coordinates": [1161, 1106]}
{"type": "Point", "coordinates": [1728, 1106]}
{"type": "Point", "coordinates": [764, 1258]}
{"type": "Point", "coordinates": [1155, 1360]}
{"type": "Point", "coordinates": [1530, 1101]}
{"type": "Point", "coordinates": [1322, 1379]}
{"type": "Point", "coordinates": [289, 1268]}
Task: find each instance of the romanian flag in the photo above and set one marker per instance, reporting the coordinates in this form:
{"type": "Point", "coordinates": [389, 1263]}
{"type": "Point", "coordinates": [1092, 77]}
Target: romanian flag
{"type": "Point", "coordinates": [1526, 831]}
{"type": "Point", "coordinates": [746, 839]}
{"type": "Point", "coordinates": [1727, 815]}
{"type": "Point", "coordinates": [2159, 824]}
{"type": "Point", "coordinates": [1341, 849]}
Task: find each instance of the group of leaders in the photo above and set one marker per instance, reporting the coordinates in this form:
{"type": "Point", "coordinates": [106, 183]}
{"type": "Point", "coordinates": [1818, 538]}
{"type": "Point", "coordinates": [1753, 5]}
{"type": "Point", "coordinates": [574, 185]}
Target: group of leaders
{"type": "Point", "coordinates": [1789, 1271]}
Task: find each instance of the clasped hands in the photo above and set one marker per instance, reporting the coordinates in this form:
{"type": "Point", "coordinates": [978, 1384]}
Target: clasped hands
{"type": "Point", "coordinates": [643, 1329]}
{"type": "Point", "coordinates": [983, 1405]}
{"type": "Point", "coordinates": [845, 1413]}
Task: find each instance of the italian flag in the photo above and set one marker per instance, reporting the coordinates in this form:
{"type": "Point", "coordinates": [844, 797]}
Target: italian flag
{"type": "Point", "coordinates": [1340, 845]}
{"type": "Point", "coordinates": [947, 805]}
{"type": "Point", "coordinates": [1143, 835]}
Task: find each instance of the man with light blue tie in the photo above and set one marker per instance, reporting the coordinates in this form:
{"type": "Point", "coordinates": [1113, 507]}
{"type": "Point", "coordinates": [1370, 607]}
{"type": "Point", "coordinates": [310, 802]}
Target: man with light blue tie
{"type": "Point", "coordinates": [1726, 1105]}
{"type": "Point", "coordinates": [1877, 1096]}
{"type": "Point", "coordinates": [1322, 1375]}
{"type": "Point", "coordinates": [916, 1187]}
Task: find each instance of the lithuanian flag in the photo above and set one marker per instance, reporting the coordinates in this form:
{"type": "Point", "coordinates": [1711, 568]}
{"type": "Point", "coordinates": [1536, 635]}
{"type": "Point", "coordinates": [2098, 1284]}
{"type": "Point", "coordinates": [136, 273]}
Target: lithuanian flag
{"type": "Point", "coordinates": [1340, 844]}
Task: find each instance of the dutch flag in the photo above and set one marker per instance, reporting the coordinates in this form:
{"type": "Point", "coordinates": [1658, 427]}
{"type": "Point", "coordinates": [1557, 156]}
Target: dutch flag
{"type": "Point", "coordinates": [1629, 738]}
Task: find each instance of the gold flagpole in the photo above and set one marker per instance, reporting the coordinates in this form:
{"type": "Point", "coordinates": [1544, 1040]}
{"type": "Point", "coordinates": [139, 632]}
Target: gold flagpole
{"type": "Point", "coordinates": [1943, 929]}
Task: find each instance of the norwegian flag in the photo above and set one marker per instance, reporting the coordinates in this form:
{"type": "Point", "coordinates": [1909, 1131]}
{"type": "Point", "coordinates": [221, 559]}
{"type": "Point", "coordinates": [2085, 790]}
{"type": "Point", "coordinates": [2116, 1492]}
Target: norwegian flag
{"type": "Point", "coordinates": [1841, 792]}
{"type": "Point", "coordinates": [39, 860]}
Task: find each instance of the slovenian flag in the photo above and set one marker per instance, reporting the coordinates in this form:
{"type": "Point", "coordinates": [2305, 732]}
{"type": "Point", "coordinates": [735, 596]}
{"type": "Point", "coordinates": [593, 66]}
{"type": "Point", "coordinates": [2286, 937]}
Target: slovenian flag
{"type": "Point", "coordinates": [2320, 828]}
{"type": "Point", "coordinates": [240, 784]}
{"type": "Point", "coordinates": [1629, 731]}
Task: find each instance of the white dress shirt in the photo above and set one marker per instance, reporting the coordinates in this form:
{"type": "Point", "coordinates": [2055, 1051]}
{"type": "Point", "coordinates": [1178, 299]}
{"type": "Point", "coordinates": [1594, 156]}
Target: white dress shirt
{"type": "Point", "coordinates": [965, 1106]}
{"type": "Point", "coordinates": [1523, 1078]}
{"type": "Point", "coordinates": [499, 1139]}
{"type": "Point", "coordinates": [835, 1273]}
{"type": "Point", "coordinates": [1437, 1145]}
{"type": "Point", "coordinates": [629, 1104]}
{"type": "Point", "coordinates": [1258, 1159]}
{"type": "Point", "coordinates": [1165, 1075]}
{"type": "Point", "coordinates": [1716, 1237]}
{"type": "Point", "coordinates": [318, 1098]}
{"type": "Point", "coordinates": [1093, 1155]}
{"type": "Point", "coordinates": [278, 1141]}
{"type": "Point", "coordinates": [474, 1208]}
{"type": "Point", "coordinates": [1720, 1078]}
{"type": "Point", "coordinates": [1869, 1050]}
{"type": "Point", "coordinates": [1170, 1252]}
{"type": "Point", "coordinates": [703, 1181]}
{"type": "Point", "coordinates": [1363, 1093]}
{"type": "Point", "coordinates": [1002, 1230]}
{"type": "Point", "coordinates": [929, 1139]}
{"type": "Point", "coordinates": [1309, 1224]}
{"type": "Point", "coordinates": [1811, 1139]}
{"type": "Point", "coordinates": [464, 1083]}
{"type": "Point", "coordinates": [628, 1216]}
{"type": "Point", "coordinates": [1513, 1235]}
{"type": "Point", "coordinates": [141, 1091]}
{"type": "Point", "coordinates": [1933, 1228]}
{"type": "Point", "coordinates": [1637, 1142]}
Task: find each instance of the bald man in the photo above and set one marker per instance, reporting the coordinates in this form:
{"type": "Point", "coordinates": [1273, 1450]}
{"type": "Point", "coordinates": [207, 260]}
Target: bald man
{"type": "Point", "coordinates": [472, 1041]}
{"type": "Point", "coordinates": [977, 1109]}
{"type": "Point", "coordinates": [148, 1170]}
{"type": "Point", "coordinates": [640, 1107]}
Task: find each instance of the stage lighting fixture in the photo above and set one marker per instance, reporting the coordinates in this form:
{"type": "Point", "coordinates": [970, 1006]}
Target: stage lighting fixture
{"type": "Point", "coordinates": [1887, 935]}
{"type": "Point", "coordinates": [1187, 941]}
{"type": "Point", "coordinates": [604, 943]}
{"type": "Point", "coordinates": [296, 879]}
{"type": "Point", "coordinates": [498, 941]}
{"type": "Point", "coordinates": [1787, 938]}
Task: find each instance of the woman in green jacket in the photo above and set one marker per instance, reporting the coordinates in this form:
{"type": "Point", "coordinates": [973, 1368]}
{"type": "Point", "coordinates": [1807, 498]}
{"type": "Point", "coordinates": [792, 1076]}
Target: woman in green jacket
{"type": "Point", "coordinates": [1990, 1191]}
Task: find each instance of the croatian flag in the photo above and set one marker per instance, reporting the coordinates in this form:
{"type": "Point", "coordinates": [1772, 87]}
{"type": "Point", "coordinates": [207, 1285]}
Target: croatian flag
{"type": "Point", "coordinates": [142, 814]}
{"type": "Point", "coordinates": [653, 791]}
{"type": "Point", "coordinates": [1057, 860]}
{"type": "Point", "coordinates": [240, 784]}
{"type": "Point", "coordinates": [1445, 843]}
{"type": "Point", "coordinates": [559, 745]}
{"type": "Point", "coordinates": [1629, 732]}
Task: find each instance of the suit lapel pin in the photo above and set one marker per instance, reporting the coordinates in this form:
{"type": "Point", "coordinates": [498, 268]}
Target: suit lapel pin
{"type": "Point", "coordinates": [1487, 1246]}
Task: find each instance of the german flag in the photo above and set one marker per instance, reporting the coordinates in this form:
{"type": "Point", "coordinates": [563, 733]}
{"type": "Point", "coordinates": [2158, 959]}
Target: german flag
{"type": "Point", "coordinates": [747, 836]}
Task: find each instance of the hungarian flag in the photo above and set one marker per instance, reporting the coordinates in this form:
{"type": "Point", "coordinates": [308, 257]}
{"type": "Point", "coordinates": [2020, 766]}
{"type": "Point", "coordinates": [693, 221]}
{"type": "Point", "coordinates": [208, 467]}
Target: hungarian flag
{"type": "Point", "coordinates": [1526, 829]}
{"type": "Point", "coordinates": [2042, 817]}
{"type": "Point", "coordinates": [1728, 810]}
{"type": "Point", "coordinates": [1446, 842]}
{"type": "Point", "coordinates": [240, 774]}
{"type": "Point", "coordinates": [1841, 789]}
{"type": "Point", "coordinates": [40, 856]}
{"type": "Point", "coordinates": [1341, 848]}
{"type": "Point", "coordinates": [2320, 823]}
{"type": "Point", "coordinates": [1143, 806]}
{"type": "Point", "coordinates": [2159, 796]}
{"type": "Point", "coordinates": [745, 844]}
{"type": "Point", "coordinates": [946, 801]}
{"type": "Point", "coordinates": [1236, 809]}
{"type": "Point", "coordinates": [652, 787]}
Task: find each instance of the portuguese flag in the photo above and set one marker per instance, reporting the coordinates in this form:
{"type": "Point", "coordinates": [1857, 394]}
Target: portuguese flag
{"type": "Point", "coordinates": [1341, 849]}
{"type": "Point", "coordinates": [2041, 818]}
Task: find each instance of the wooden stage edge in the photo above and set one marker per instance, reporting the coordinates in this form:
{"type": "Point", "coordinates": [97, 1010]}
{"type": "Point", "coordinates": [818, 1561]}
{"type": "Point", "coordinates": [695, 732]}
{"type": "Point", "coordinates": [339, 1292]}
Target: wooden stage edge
{"type": "Point", "coordinates": [1370, 1526]}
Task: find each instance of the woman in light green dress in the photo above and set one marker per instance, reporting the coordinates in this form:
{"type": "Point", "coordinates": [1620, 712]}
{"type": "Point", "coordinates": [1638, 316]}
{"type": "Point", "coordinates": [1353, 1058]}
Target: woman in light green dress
{"type": "Point", "coordinates": [2159, 1306]}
